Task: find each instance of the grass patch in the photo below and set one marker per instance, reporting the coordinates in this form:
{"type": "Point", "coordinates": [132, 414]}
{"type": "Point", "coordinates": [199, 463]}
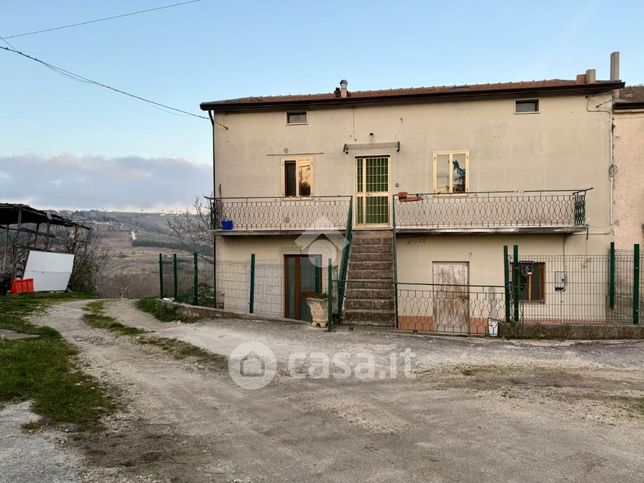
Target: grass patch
{"type": "Point", "coordinates": [163, 312]}
{"type": "Point", "coordinates": [46, 370]}
{"type": "Point", "coordinates": [181, 350]}
{"type": "Point", "coordinates": [95, 316]}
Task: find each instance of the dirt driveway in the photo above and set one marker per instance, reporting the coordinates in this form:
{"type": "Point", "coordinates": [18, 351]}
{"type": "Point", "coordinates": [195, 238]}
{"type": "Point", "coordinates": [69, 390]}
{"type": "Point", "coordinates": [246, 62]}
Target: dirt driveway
{"type": "Point", "coordinates": [475, 410]}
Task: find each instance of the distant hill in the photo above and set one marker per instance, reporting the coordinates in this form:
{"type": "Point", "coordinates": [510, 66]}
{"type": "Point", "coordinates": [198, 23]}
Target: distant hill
{"type": "Point", "coordinates": [144, 229]}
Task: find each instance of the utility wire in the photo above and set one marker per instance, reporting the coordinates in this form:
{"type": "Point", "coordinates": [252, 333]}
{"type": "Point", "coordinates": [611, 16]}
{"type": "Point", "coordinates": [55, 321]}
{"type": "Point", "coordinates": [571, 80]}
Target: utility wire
{"type": "Point", "coordinates": [138, 12]}
{"type": "Point", "coordinates": [81, 78]}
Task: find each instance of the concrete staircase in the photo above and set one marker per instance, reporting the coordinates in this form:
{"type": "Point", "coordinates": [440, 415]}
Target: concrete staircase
{"type": "Point", "coordinates": [369, 294]}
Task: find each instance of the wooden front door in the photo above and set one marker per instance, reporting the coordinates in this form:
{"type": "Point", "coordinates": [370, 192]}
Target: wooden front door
{"type": "Point", "coordinates": [302, 279]}
{"type": "Point", "coordinates": [372, 191]}
{"type": "Point", "coordinates": [451, 297]}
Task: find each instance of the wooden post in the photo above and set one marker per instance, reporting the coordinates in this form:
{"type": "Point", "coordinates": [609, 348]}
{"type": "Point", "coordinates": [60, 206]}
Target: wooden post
{"type": "Point", "coordinates": [15, 244]}
{"type": "Point", "coordinates": [48, 235]}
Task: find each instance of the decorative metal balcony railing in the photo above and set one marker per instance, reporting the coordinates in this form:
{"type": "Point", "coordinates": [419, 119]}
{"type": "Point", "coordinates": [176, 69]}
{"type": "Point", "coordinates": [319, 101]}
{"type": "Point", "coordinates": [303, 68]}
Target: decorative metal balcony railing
{"type": "Point", "coordinates": [492, 210]}
{"type": "Point", "coordinates": [252, 214]}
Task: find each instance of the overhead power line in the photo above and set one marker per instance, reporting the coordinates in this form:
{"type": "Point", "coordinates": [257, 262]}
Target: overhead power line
{"type": "Point", "coordinates": [80, 78]}
{"type": "Point", "coordinates": [103, 19]}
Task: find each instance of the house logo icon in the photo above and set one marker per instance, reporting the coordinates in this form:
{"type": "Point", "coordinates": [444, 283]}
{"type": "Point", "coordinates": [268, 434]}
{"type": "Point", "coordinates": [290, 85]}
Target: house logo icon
{"type": "Point", "coordinates": [252, 365]}
{"type": "Point", "coordinates": [322, 239]}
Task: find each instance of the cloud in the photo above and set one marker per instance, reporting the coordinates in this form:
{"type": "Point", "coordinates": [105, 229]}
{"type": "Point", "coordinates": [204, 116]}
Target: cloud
{"type": "Point", "coordinates": [95, 182]}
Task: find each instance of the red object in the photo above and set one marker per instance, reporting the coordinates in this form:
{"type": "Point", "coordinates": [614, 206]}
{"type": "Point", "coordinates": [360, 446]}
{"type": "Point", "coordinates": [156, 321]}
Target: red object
{"type": "Point", "coordinates": [404, 197]}
{"type": "Point", "coordinates": [25, 285]}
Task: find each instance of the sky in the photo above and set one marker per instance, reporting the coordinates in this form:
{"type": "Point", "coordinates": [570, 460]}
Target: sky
{"type": "Point", "coordinates": [67, 144]}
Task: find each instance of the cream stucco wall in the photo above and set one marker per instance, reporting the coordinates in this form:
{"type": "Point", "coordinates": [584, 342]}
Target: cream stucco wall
{"type": "Point", "coordinates": [629, 180]}
{"type": "Point", "coordinates": [565, 146]}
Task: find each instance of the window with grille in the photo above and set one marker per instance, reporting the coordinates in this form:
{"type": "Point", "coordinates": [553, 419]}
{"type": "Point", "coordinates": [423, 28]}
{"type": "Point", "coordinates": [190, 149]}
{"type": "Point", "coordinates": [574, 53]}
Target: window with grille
{"type": "Point", "coordinates": [299, 117]}
{"type": "Point", "coordinates": [298, 177]}
{"type": "Point", "coordinates": [522, 106]}
{"type": "Point", "coordinates": [451, 171]}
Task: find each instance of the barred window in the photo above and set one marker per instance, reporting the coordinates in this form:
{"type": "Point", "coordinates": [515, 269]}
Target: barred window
{"type": "Point", "coordinates": [526, 105]}
{"type": "Point", "coordinates": [296, 117]}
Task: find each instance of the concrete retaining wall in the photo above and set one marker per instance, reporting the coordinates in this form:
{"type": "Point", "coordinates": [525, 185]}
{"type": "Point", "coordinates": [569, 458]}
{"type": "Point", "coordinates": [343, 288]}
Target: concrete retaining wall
{"type": "Point", "coordinates": [570, 331]}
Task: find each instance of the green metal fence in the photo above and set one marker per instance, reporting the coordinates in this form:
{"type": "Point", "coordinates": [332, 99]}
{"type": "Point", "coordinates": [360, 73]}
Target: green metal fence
{"type": "Point", "coordinates": [246, 287]}
{"type": "Point", "coordinates": [573, 289]}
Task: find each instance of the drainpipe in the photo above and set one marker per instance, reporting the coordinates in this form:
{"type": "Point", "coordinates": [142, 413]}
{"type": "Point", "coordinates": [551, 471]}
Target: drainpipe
{"type": "Point", "coordinates": [211, 115]}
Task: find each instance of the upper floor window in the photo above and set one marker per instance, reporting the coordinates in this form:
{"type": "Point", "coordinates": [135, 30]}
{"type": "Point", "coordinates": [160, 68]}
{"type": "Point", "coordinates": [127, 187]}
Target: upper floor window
{"type": "Point", "coordinates": [451, 171]}
{"type": "Point", "coordinates": [298, 177]}
{"type": "Point", "coordinates": [522, 106]}
{"type": "Point", "coordinates": [298, 117]}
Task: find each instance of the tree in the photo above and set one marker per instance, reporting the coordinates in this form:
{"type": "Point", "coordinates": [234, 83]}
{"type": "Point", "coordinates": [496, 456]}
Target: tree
{"type": "Point", "coordinates": [194, 227]}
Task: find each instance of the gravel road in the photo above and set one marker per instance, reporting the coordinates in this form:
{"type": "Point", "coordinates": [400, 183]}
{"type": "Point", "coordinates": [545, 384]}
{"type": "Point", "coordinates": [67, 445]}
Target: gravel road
{"type": "Point", "coordinates": [475, 409]}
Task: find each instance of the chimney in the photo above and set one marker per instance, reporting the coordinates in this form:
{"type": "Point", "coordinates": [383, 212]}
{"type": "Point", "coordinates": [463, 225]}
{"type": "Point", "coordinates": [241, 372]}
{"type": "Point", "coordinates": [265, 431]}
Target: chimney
{"type": "Point", "coordinates": [343, 88]}
{"type": "Point", "coordinates": [591, 76]}
{"type": "Point", "coordinates": [614, 66]}
{"type": "Point", "coordinates": [614, 71]}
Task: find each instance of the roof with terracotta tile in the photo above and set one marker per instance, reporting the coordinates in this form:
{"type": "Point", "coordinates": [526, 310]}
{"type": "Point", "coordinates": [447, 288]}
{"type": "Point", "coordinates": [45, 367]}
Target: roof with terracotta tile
{"type": "Point", "coordinates": [409, 94]}
{"type": "Point", "coordinates": [630, 97]}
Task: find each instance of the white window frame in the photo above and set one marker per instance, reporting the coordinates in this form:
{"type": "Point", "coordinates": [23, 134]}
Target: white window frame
{"type": "Point", "coordinates": [306, 113]}
{"type": "Point", "coordinates": [451, 154]}
{"type": "Point", "coordinates": [299, 161]}
{"type": "Point", "coordinates": [527, 100]}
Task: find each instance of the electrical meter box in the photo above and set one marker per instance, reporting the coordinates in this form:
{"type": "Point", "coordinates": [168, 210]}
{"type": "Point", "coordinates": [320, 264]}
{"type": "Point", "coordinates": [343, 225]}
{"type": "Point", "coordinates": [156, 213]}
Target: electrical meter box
{"type": "Point", "coordinates": [560, 281]}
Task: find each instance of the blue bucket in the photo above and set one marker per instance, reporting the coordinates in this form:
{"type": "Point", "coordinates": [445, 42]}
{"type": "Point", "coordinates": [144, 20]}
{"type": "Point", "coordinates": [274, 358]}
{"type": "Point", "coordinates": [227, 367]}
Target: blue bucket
{"type": "Point", "coordinates": [226, 224]}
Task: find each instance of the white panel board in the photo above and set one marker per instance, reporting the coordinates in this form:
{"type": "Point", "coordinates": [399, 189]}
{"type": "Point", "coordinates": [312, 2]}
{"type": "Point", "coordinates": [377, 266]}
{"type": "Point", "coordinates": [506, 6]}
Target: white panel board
{"type": "Point", "coordinates": [50, 271]}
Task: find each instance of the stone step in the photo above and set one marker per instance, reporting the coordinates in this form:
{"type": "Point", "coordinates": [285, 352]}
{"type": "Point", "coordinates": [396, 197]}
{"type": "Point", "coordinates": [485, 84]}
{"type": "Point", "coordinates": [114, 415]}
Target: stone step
{"type": "Point", "coordinates": [371, 323]}
{"type": "Point", "coordinates": [372, 233]}
{"type": "Point", "coordinates": [357, 284]}
{"type": "Point", "coordinates": [370, 275]}
{"type": "Point", "coordinates": [369, 304]}
{"type": "Point", "coordinates": [385, 292]}
{"type": "Point", "coordinates": [370, 265]}
{"type": "Point", "coordinates": [369, 317]}
{"type": "Point", "coordinates": [372, 241]}
{"type": "Point", "coordinates": [355, 249]}
{"type": "Point", "coordinates": [366, 256]}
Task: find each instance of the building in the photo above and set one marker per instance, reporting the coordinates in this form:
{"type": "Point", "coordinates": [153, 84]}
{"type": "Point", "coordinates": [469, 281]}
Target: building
{"type": "Point", "coordinates": [628, 111]}
{"type": "Point", "coordinates": [431, 183]}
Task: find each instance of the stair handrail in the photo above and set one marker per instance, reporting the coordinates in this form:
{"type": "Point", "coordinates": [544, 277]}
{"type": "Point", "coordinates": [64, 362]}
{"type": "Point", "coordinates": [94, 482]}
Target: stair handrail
{"type": "Point", "coordinates": [344, 263]}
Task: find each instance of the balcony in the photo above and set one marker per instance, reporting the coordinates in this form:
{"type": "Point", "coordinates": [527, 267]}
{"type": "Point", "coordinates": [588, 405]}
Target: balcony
{"type": "Point", "coordinates": [279, 216]}
{"type": "Point", "coordinates": [492, 212]}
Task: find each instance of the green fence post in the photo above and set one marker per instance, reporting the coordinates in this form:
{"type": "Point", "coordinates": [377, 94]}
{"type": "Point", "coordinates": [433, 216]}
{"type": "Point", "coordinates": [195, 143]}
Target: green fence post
{"type": "Point", "coordinates": [195, 281]}
{"type": "Point", "coordinates": [506, 283]}
{"type": "Point", "coordinates": [636, 283]}
{"type": "Point", "coordinates": [160, 275]}
{"type": "Point", "coordinates": [515, 280]}
{"type": "Point", "coordinates": [175, 281]}
{"type": "Point", "coordinates": [251, 298]}
{"type": "Point", "coordinates": [329, 317]}
{"type": "Point", "coordinates": [611, 276]}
